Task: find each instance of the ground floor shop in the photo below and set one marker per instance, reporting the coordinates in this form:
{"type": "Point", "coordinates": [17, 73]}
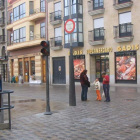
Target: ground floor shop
{"type": "Point", "coordinates": [120, 63]}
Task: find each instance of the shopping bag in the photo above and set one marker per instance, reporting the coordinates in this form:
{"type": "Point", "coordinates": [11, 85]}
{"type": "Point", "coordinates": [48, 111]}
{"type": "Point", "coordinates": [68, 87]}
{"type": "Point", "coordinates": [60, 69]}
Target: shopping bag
{"type": "Point", "coordinates": [103, 94]}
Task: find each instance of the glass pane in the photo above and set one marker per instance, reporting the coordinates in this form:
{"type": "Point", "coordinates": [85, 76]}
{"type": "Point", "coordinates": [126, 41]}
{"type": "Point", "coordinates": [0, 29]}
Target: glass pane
{"type": "Point", "coordinates": [123, 29]}
{"type": "Point", "coordinates": [66, 38]}
{"type": "Point", "coordinates": [73, 11]}
{"type": "Point", "coordinates": [66, 11]}
{"type": "Point", "coordinates": [80, 37]}
{"type": "Point", "coordinates": [96, 33]}
{"type": "Point", "coordinates": [80, 27]}
{"type": "Point", "coordinates": [74, 37]}
{"type": "Point", "coordinates": [80, 9]}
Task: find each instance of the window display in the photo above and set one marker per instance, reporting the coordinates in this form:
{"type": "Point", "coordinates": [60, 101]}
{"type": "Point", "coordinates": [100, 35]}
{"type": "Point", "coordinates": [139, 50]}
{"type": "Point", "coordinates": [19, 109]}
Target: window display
{"type": "Point", "coordinates": [126, 66]}
{"type": "Point", "coordinates": [79, 65]}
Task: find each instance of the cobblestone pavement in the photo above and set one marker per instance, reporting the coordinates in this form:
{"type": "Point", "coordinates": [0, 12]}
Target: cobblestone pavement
{"type": "Point", "coordinates": [92, 120]}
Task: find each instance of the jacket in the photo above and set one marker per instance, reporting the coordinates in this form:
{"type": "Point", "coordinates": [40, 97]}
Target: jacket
{"type": "Point", "coordinates": [83, 79]}
{"type": "Point", "coordinates": [97, 85]}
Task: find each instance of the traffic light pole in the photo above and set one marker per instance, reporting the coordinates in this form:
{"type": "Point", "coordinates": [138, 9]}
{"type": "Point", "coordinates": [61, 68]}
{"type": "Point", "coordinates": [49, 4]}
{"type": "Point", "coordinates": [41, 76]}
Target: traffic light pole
{"type": "Point", "coordinates": [48, 112]}
{"type": "Point", "coordinates": [72, 97]}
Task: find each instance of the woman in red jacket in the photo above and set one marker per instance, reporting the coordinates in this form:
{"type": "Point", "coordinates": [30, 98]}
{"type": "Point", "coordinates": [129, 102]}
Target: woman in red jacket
{"type": "Point", "coordinates": [106, 86]}
{"type": "Point", "coordinates": [84, 84]}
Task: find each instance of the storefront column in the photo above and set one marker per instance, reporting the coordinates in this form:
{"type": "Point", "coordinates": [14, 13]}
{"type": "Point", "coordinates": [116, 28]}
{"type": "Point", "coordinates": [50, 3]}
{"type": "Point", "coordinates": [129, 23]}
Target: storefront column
{"type": "Point", "coordinates": [92, 68]}
{"type": "Point", "coordinates": [138, 68]}
{"type": "Point", "coordinates": [38, 66]}
{"type": "Point", "coordinates": [29, 67]}
{"type": "Point", "coordinates": [112, 68]}
{"type": "Point", "coordinates": [23, 68]}
{"type": "Point", "coordinates": [87, 58]}
{"type": "Point", "coordinates": [67, 69]}
{"type": "Point", "coordinates": [16, 67]}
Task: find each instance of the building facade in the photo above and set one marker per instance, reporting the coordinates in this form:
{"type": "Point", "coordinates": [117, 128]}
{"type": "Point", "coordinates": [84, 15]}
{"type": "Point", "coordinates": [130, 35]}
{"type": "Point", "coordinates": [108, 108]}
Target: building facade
{"type": "Point", "coordinates": [106, 38]}
{"type": "Point", "coordinates": [3, 41]}
{"type": "Point", "coordinates": [25, 30]}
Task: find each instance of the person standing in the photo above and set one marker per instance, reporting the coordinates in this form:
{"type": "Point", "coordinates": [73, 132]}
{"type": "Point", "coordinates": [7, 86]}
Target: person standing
{"type": "Point", "coordinates": [84, 84]}
{"type": "Point", "coordinates": [97, 88]}
{"type": "Point", "coordinates": [106, 86]}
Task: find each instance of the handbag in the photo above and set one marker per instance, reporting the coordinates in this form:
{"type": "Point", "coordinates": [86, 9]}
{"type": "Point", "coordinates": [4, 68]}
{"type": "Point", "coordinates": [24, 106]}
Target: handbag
{"type": "Point", "coordinates": [88, 83]}
{"type": "Point", "coordinates": [103, 94]}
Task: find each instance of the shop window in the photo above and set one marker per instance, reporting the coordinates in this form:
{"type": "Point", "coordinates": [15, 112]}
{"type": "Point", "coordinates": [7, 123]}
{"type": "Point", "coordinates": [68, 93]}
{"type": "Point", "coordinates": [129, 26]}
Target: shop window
{"type": "Point", "coordinates": [20, 68]}
{"type": "Point", "coordinates": [79, 65]}
{"type": "Point", "coordinates": [32, 67]}
{"type": "Point", "coordinates": [125, 63]}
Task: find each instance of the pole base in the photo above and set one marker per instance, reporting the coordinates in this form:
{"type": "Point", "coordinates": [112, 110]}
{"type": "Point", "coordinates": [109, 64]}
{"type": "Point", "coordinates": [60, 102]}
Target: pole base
{"type": "Point", "coordinates": [48, 113]}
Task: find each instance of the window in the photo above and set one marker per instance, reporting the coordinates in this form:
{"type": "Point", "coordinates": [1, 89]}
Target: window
{"type": "Point", "coordinates": [99, 29]}
{"type": "Point", "coordinates": [42, 5]}
{"type": "Point", "coordinates": [125, 26]}
{"type": "Point", "coordinates": [11, 38]}
{"type": "Point", "coordinates": [11, 17]}
{"type": "Point", "coordinates": [32, 67]}
{"type": "Point", "coordinates": [123, 1]}
{"type": "Point", "coordinates": [58, 36]}
{"type": "Point", "coordinates": [77, 35]}
{"type": "Point", "coordinates": [42, 26]}
{"type": "Point", "coordinates": [19, 12]}
{"type": "Point", "coordinates": [20, 68]}
{"type": "Point", "coordinates": [98, 4]}
{"type": "Point", "coordinates": [66, 7]}
{"type": "Point", "coordinates": [20, 35]}
{"type": "Point", "coordinates": [57, 7]}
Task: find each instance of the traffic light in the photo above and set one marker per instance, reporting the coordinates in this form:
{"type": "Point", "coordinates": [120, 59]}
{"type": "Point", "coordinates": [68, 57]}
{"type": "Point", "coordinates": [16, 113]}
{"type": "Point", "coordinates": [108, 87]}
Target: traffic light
{"type": "Point", "coordinates": [45, 48]}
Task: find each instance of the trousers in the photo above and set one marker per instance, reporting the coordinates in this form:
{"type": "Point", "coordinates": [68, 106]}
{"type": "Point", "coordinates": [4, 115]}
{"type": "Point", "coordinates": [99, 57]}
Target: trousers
{"type": "Point", "coordinates": [106, 91]}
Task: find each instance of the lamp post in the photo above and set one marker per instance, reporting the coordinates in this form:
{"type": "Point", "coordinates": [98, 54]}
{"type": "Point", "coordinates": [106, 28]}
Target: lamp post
{"type": "Point", "coordinates": [72, 97]}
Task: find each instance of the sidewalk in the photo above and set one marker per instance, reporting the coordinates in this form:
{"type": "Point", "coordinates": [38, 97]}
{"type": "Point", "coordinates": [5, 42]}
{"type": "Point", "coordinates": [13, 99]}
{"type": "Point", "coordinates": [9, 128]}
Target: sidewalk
{"type": "Point", "coordinates": [117, 120]}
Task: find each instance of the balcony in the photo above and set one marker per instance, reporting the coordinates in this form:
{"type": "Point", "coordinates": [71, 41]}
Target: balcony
{"type": "Point", "coordinates": [119, 4]}
{"type": "Point", "coordinates": [34, 15]}
{"type": "Point", "coordinates": [96, 36]}
{"type": "Point", "coordinates": [2, 5]}
{"type": "Point", "coordinates": [95, 8]}
{"type": "Point", "coordinates": [3, 58]}
{"type": "Point", "coordinates": [56, 43]}
{"type": "Point", "coordinates": [2, 22]}
{"type": "Point", "coordinates": [56, 17]}
{"type": "Point", "coordinates": [123, 32]}
{"type": "Point", "coordinates": [33, 41]}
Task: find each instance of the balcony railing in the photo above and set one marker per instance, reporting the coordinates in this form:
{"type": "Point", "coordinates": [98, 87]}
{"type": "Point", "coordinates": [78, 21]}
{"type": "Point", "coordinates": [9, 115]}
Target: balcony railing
{"type": "Point", "coordinates": [55, 16]}
{"type": "Point", "coordinates": [38, 10]}
{"type": "Point", "coordinates": [2, 21]}
{"type": "Point", "coordinates": [124, 31]}
{"type": "Point", "coordinates": [2, 39]}
{"type": "Point", "coordinates": [95, 8]}
{"type": "Point", "coordinates": [2, 4]}
{"type": "Point", "coordinates": [37, 36]}
{"type": "Point", "coordinates": [56, 43]}
{"type": "Point", "coordinates": [119, 4]}
{"type": "Point", "coordinates": [2, 58]}
{"type": "Point", "coordinates": [96, 36]}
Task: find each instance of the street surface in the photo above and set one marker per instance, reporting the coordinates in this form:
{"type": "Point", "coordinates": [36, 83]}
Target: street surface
{"type": "Point", "coordinates": [92, 120]}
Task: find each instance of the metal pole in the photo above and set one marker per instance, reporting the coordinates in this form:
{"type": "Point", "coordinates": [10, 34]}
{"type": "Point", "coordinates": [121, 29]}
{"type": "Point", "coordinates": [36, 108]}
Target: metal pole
{"type": "Point", "coordinates": [72, 97]}
{"type": "Point", "coordinates": [48, 112]}
{"type": "Point", "coordinates": [1, 101]}
{"type": "Point", "coordinates": [9, 112]}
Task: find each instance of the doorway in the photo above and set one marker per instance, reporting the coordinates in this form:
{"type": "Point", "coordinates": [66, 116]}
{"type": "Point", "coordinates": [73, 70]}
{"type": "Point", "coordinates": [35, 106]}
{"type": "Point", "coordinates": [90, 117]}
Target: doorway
{"type": "Point", "coordinates": [26, 72]}
{"type": "Point", "coordinates": [59, 74]}
{"type": "Point", "coordinates": [102, 64]}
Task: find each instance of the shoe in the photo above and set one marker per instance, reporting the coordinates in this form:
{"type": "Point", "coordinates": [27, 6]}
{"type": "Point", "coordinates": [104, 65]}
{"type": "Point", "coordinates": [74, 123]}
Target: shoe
{"type": "Point", "coordinates": [87, 100]}
{"type": "Point", "coordinates": [105, 101]}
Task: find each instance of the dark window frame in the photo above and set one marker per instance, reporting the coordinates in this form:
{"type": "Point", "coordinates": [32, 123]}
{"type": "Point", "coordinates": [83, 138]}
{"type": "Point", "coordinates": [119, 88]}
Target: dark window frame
{"type": "Point", "coordinates": [17, 11]}
{"type": "Point", "coordinates": [42, 5]}
{"type": "Point", "coordinates": [18, 35]}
